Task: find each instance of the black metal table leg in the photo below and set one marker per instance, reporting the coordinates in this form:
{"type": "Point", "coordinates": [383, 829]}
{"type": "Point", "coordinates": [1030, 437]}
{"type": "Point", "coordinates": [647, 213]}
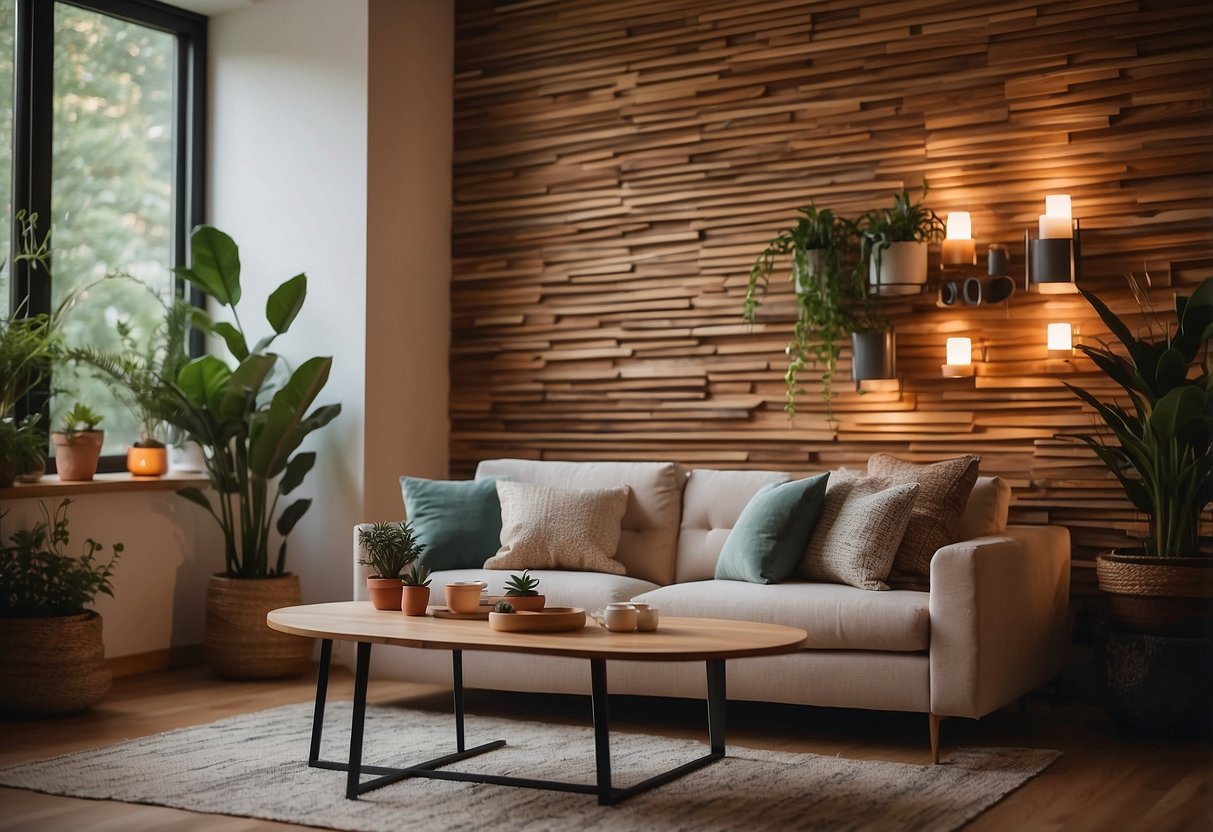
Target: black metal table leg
{"type": "Point", "coordinates": [354, 774]}
{"type": "Point", "coordinates": [457, 679]}
{"type": "Point", "coordinates": [322, 688]}
{"type": "Point", "coordinates": [602, 730]}
{"type": "Point", "coordinates": [717, 706]}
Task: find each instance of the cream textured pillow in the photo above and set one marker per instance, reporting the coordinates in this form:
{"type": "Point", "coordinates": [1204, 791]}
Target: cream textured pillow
{"type": "Point", "coordinates": [944, 490]}
{"type": "Point", "coordinates": [857, 534]}
{"type": "Point", "coordinates": [553, 528]}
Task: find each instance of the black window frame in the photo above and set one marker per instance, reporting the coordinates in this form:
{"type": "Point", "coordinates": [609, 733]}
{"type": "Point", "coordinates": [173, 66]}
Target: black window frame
{"type": "Point", "coordinates": [33, 110]}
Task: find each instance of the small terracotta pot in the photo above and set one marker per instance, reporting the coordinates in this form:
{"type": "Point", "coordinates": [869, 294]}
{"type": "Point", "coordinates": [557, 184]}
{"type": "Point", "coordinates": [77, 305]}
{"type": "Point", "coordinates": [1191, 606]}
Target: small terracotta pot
{"type": "Point", "coordinates": [415, 600]}
{"type": "Point", "coordinates": [76, 456]}
{"type": "Point", "coordinates": [463, 596]}
{"type": "Point", "coordinates": [147, 462]}
{"type": "Point", "coordinates": [385, 592]}
{"type": "Point", "coordinates": [527, 603]}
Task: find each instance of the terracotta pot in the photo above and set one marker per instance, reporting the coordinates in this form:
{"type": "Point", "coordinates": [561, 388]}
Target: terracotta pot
{"type": "Point", "coordinates": [76, 455]}
{"type": "Point", "coordinates": [415, 599]}
{"type": "Point", "coordinates": [463, 596]}
{"type": "Point", "coordinates": [385, 592]}
{"type": "Point", "coordinates": [52, 665]}
{"type": "Point", "coordinates": [237, 641]}
{"type": "Point", "coordinates": [527, 603]}
{"type": "Point", "coordinates": [147, 462]}
{"type": "Point", "coordinates": [903, 269]}
{"type": "Point", "coordinates": [1158, 596]}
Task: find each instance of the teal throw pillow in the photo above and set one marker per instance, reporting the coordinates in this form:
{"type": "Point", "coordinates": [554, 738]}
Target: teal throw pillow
{"type": "Point", "coordinates": [459, 521]}
{"type": "Point", "coordinates": [768, 542]}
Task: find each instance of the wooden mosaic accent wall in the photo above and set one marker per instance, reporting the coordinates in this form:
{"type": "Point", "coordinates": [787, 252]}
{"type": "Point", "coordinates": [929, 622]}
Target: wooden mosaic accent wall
{"type": "Point", "coordinates": [619, 163]}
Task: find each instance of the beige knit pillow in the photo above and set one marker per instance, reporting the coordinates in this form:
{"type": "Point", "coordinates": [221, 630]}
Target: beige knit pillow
{"type": "Point", "coordinates": [553, 528]}
{"type": "Point", "coordinates": [944, 490]}
{"type": "Point", "coordinates": [857, 534]}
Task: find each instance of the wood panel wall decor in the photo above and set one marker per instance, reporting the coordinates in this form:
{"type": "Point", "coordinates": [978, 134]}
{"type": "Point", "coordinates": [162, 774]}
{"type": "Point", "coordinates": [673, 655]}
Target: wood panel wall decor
{"type": "Point", "coordinates": [619, 163]}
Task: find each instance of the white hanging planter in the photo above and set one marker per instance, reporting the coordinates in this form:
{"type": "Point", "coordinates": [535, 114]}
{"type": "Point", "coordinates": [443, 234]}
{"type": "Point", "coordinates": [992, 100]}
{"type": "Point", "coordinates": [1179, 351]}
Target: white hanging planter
{"type": "Point", "coordinates": [903, 269]}
{"type": "Point", "coordinates": [815, 260]}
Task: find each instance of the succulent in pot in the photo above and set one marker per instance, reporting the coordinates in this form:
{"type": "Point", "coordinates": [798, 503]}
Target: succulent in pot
{"type": "Point", "coordinates": [1160, 449]}
{"type": "Point", "coordinates": [416, 593]}
{"type": "Point", "coordinates": [390, 548]}
{"type": "Point", "coordinates": [895, 242]}
{"type": "Point", "coordinates": [523, 592]}
{"type": "Point", "coordinates": [78, 444]}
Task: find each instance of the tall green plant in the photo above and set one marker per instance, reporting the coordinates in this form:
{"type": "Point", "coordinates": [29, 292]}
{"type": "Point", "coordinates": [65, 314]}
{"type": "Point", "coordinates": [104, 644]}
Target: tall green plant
{"type": "Point", "coordinates": [906, 222]}
{"type": "Point", "coordinates": [250, 438]}
{"type": "Point", "coordinates": [1162, 450]}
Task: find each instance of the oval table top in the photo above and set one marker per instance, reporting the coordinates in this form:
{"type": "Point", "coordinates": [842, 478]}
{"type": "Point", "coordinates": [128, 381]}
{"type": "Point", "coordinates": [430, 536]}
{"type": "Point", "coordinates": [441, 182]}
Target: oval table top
{"type": "Point", "coordinates": [675, 639]}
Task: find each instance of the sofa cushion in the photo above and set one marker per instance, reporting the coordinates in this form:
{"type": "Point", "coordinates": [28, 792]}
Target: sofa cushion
{"type": "Point", "coordinates": [836, 617]}
{"type": "Point", "coordinates": [943, 491]}
{"type": "Point", "coordinates": [588, 590]}
{"type": "Point", "coordinates": [860, 528]}
{"type": "Point", "coordinates": [711, 503]}
{"type": "Point", "coordinates": [768, 542]}
{"type": "Point", "coordinates": [649, 529]}
{"type": "Point", "coordinates": [458, 522]}
{"type": "Point", "coordinates": [986, 511]}
{"type": "Point", "coordinates": [556, 528]}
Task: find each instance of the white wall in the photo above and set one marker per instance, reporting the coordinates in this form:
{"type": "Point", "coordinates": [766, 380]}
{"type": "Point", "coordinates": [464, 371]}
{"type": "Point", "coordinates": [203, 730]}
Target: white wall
{"type": "Point", "coordinates": [287, 179]}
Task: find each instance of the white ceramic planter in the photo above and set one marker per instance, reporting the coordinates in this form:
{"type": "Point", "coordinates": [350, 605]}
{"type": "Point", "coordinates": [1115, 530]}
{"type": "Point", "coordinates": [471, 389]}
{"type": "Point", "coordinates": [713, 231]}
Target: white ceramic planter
{"type": "Point", "coordinates": [903, 269]}
{"type": "Point", "coordinates": [815, 260]}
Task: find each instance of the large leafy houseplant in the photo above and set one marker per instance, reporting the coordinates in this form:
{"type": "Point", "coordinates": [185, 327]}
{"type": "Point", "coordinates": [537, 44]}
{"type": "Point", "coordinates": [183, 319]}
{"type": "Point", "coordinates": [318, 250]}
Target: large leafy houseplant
{"type": "Point", "coordinates": [1161, 449]}
{"type": "Point", "coordinates": [906, 221]}
{"type": "Point", "coordinates": [817, 248]}
{"type": "Point", "coordinates": [250, 433]}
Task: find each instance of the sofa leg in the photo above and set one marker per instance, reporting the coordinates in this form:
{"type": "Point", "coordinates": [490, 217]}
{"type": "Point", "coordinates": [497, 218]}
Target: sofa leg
{"type": "Point", "coordinates": [935, 719]}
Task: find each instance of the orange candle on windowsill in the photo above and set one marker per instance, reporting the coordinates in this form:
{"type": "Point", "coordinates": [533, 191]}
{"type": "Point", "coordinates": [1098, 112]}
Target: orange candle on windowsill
{"type": "Point", "coordinates": [147, 462]}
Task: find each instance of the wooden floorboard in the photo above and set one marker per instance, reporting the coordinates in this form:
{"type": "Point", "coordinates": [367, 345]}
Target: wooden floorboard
{"type": "Point", "coordinates": [1103, 781]}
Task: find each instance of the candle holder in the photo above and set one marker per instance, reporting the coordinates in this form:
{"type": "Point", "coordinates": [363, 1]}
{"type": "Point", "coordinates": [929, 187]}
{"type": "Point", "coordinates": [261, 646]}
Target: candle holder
{"type": "Point", "coordinates": [1053, 264]}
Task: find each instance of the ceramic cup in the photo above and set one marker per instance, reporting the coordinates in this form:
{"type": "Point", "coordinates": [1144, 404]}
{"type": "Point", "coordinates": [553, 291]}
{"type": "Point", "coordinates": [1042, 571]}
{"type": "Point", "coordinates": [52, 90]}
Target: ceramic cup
{"type": "Point", "coordinates": [620, 618]}
{"type": "Point", "coordinates": [464, 596]}
{"type": "Point", "coordinates": [646, 617]}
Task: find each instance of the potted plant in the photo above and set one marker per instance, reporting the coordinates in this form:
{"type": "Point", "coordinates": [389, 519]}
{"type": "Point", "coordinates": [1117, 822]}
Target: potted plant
{"type": "Point", "coordinates": [391, 547]}
{"type": "Point", "coordinates": [824, 279]}
{"type": "Point", "coordinates": [523, 592]}
{"type": "Point", "coordinates": [895, 243]}
{"type": "Point", "coordinates": [1161, 452]}
{"type": "Point", "coordinates": [52, 658]}
{"type": "Point", "coordinates": [416, 595]}
{"type": "Point", "coordinates": [251, 442]}
{"type": "Point", "coordinates": [78, 444]}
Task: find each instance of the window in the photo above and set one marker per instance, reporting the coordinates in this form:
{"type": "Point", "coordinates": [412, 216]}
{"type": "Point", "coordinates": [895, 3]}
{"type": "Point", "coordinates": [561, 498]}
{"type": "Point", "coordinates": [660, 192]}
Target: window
{"type": "Point", "coordinates": [110, 92]}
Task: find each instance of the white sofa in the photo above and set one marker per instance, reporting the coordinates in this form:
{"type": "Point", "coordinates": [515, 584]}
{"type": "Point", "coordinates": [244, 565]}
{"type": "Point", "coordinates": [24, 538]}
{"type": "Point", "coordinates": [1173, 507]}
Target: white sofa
{"type": "Point", "coordinates": [994, 625]}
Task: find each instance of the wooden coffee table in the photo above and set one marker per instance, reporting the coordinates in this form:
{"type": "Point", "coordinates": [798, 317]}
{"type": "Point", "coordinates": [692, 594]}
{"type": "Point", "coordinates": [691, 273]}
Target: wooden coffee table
{"type": "Point", "coordinates": [677, 640]}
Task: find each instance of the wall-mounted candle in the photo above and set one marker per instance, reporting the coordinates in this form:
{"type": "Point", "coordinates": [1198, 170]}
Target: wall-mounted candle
{"type": "Point", "coordinates": [960, 358]}
{"type": "Point", "coordinates": [1060, 340]}
{"type": "Point", "coordinates": [1056, 222]}
{"type": "Point", "coordinates": [958, 247]}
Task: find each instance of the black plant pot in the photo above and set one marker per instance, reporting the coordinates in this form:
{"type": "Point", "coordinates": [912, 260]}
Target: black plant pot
{"type": "Point", "coordinates": [873, 355]}
{"type": "Point", "coordinates": [1156, 685]}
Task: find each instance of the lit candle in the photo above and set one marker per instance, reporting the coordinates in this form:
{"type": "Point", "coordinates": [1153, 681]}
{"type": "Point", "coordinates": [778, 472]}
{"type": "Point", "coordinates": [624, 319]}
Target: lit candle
{"type": "Point", "coordinates": [958, 247]}
{"type": "Point", "coordinates": [1060, 340]}
{"type": "Point", "coordinates": [1056, 222]}
{"type": "Point", "coordinates": [960, 358]}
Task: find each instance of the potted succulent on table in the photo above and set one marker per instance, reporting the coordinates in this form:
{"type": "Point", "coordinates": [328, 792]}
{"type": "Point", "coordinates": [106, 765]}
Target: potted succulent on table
{"type": "Point", "coordinates": [390, 547]}
{"type": "Point", "coordinates": [52, 658]}
{"type": "Point", "coordinates": [523, 592]}
{"type": "Point", "coordinates": [895, 243]}
{"type": "Point", "coordinates": [78, 444]}
{"type": "Point", "coordinates": [1158, 656]}
{"type": "Point", "coordinates": [416, 595]}
{"type": "Point", "coordinates": [823, 274]}
{"type": "Point", "coordinates": [251, 441]}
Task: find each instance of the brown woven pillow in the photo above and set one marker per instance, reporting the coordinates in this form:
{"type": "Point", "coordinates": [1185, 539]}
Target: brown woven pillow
{"type": "Point", "coordinates": [943, 491]}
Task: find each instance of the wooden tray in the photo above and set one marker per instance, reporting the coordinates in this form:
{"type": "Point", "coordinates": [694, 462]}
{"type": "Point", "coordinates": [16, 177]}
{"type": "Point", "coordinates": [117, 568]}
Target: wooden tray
{"type": "Point", "coordinates": [551, 620]}
{"type": "Point", "coordinates": [443, 612]}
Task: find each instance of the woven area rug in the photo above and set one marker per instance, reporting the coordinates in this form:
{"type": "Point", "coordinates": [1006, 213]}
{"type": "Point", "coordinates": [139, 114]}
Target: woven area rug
{"type": "Point", "coordinates": [252, 766]}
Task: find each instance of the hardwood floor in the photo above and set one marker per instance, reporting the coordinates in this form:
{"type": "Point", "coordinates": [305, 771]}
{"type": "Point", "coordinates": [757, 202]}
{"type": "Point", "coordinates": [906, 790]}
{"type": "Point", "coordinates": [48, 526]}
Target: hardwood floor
{"type": "Point", "coordinates": [1103, 781]}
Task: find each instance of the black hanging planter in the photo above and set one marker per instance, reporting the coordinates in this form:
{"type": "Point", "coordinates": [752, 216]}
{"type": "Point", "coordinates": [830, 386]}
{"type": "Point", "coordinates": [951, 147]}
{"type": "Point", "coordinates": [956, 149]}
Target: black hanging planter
{"type": "Point", "coordinates": [873, 355]}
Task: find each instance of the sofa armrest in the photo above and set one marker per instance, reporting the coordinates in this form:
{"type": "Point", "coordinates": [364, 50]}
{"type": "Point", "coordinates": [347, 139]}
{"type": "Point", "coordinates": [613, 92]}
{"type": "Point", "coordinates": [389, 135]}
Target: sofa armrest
{"type": "Point", "coordinates": [360, 572]}
{"type": "Point", "coordinates": [1000, 623]}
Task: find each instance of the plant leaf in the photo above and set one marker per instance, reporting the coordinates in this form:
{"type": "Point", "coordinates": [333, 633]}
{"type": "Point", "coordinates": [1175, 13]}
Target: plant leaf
{"type": "Point", "coordinates": [285, 302]}
{"type": "Point", "coordinates": [291, 515]}
{"type": "Point", "coordinates": [232, 337]}
{"type": "Point", "coordinates": [195, 495]}
{"type": "Point", "coordinates": [280, 435]}
{"type": "Point", "coordinates": [296, 470]}
{"type": "Point", "coordinates": [1175, 411]}
{"type": "Point", "coordinates": [202, 380]}
{"type": "Point", "coordinates": [216, 265]}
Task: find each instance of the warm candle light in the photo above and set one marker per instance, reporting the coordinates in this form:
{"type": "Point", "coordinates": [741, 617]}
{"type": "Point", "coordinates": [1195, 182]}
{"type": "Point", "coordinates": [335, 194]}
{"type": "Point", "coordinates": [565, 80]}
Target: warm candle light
{"type": "Point", "coordinates": [958, 248]}
{"type": "Point", "coordinates": [960, 226]}
{"type": "Point", "coordinates": [1056, 223]}
{"type": "Point", "coordinates": [1060, 340]}
{"type": "Point", "coordinates": [960, 358]}
{"type": "Point", "coordinates": [1058, 205]}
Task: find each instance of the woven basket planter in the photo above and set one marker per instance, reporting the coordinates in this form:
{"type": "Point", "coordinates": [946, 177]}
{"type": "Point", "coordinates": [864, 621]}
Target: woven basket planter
{"type": "Point", "coordinates": [237, 641]}
{"type": "Point", "coordinates": [52, 665]}
{"type": "Point", "coordinates": [1158, 596]}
